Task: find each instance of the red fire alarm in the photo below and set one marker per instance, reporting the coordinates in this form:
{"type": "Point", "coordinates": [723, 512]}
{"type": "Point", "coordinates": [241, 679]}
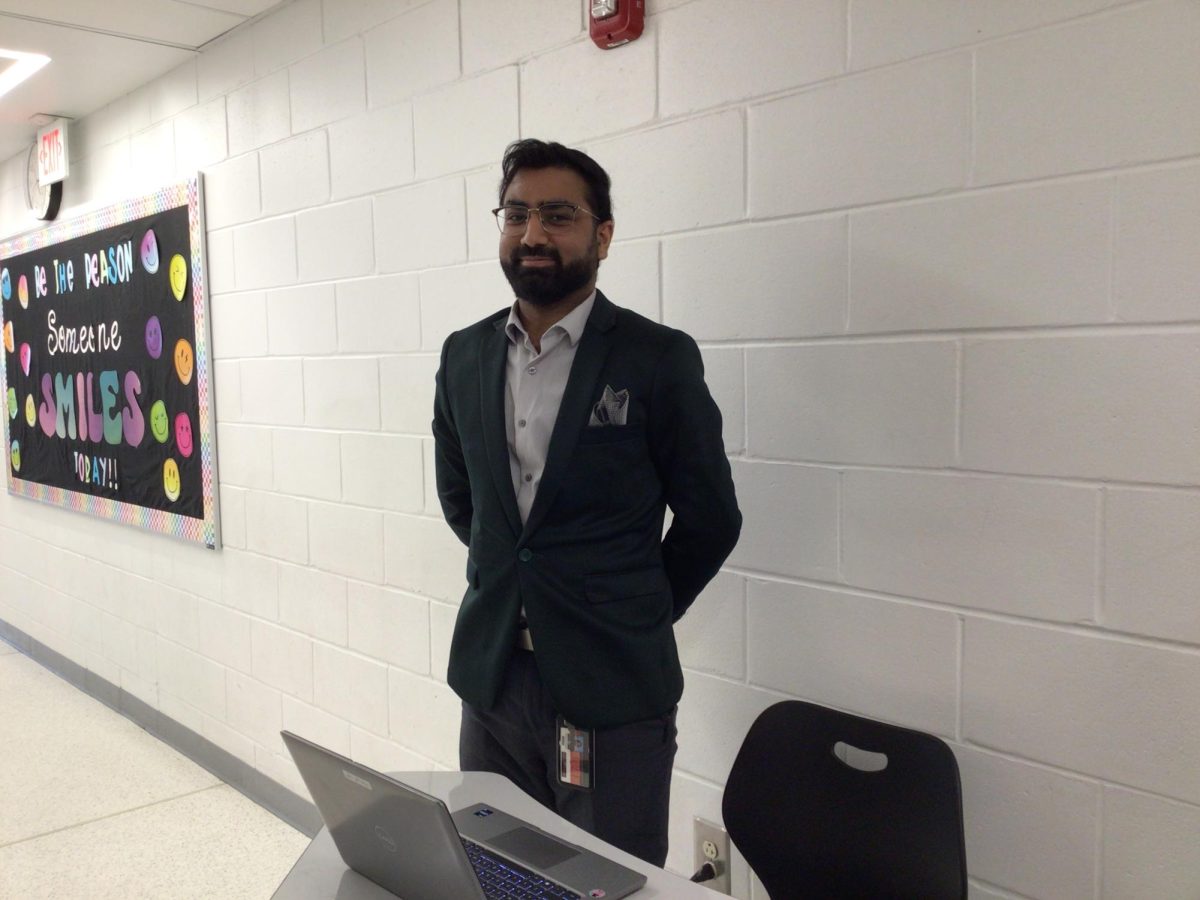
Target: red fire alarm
{"type": "Point", "coordinates": [612, 23]}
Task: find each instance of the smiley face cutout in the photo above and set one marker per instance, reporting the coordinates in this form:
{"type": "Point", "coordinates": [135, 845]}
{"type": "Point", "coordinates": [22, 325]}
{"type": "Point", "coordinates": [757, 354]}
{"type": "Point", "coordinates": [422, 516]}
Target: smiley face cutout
{"type": "Point", "coordinates": [8, 337]}
{"type": "Point", "coordinates": [183, 434]}
{"type": "Point", "coordinates": [178, 276]}
{"type": "Point", "coordinates": [23, 291]}
{"type": "Point", "coordinates": [159, 423]}
{"type": "Point", "coordinates": [12, 403]}
{"type": "Point", "coordinates": [150, 252]}
{"type": "Point", "coordinates": [30, 410]}
{"type": "Point", "coordinates": [183, 360]}
{"type": "Point", "coordinates": [154, 337]}
{"type": "Point", "coordinates": [171, 480]}
{"type": "Point", "coordinates": [16, 456]}
{"type": "Point", "coordinates": [5, 284]}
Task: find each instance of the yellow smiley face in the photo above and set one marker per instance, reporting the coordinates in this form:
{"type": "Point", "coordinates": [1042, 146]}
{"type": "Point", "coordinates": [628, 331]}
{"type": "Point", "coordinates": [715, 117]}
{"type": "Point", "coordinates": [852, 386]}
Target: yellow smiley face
{"type": "Point", "coordinates": [178, 275]}
{"type": "Point", "coordinates": [30, 410]}
{"type": "Point", "coordinates": [171, 480]}
{"type": "Point", "coordinates": [183, 360]}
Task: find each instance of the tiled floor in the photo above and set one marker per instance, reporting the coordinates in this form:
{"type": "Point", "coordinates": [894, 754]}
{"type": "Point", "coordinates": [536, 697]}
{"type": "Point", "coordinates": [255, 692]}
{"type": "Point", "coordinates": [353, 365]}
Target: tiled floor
{"type": "Point", "coordinates": [92, 807]}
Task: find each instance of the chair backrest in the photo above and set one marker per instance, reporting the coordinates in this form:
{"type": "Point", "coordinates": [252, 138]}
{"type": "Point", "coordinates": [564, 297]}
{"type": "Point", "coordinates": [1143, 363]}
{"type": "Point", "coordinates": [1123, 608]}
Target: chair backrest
{"type": "Point", "coordinates": [811, 825]}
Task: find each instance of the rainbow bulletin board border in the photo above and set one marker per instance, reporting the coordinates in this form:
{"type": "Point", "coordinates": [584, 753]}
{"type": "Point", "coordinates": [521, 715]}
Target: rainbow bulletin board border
{"type": "Point", "coordinates": [200, 529]}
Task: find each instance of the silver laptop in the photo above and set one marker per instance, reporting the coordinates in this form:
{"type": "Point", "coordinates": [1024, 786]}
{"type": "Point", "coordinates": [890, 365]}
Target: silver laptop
{"type": "Point", "coordinates": [407, 841]}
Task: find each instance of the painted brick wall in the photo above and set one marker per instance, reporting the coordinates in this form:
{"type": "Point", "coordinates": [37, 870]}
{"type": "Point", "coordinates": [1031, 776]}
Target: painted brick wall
{"type": "Point", "coordinates": [942, 262]}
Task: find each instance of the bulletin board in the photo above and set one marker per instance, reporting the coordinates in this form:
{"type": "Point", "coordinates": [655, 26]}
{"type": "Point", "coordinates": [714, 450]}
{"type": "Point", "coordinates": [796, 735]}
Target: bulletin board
{"type": "Point", "coordinates": [106, 370]}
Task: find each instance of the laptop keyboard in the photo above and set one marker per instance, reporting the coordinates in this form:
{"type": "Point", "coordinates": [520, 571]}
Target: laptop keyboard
{"type": "Point", "coordinates": [503, 880]}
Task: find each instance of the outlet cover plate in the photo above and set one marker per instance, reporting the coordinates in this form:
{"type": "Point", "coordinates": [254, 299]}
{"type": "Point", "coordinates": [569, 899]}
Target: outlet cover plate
{"type": "Point", "coordinates": [707, 831]}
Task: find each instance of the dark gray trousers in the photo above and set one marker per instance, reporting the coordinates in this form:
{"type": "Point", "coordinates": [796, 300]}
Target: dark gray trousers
{"type": "Point", "coordinates": [629, 803]}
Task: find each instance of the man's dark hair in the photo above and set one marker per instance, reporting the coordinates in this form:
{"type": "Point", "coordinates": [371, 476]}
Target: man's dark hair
{"type": "Point", "coordinates": [534, 154]}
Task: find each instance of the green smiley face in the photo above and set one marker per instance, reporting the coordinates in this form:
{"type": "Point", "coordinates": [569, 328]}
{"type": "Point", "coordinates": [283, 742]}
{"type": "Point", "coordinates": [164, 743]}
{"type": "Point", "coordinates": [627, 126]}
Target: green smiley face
{"type": "Point", "coordinates": [12, 403]}
{"type": "Point", "coordinates": [159, 426]}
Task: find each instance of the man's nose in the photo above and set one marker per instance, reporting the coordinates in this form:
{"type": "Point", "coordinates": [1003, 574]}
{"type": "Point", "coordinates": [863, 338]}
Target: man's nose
{"type": "Point", "coordinates": [535, 234]}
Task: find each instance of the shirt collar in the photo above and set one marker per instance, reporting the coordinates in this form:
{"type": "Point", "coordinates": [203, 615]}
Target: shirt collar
{"type": "Point", "coordinates": [572, 323]}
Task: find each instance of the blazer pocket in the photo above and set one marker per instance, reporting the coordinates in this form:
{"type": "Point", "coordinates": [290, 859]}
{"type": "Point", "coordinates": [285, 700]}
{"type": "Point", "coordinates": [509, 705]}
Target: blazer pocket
{"type": "Point", "coordinates": [625, 585]}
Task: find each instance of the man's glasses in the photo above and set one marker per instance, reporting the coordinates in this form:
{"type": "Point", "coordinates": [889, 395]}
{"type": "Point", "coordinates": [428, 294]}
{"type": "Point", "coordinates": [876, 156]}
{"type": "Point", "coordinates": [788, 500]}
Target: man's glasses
{"type": "Point", "coordinates": [555, 217]}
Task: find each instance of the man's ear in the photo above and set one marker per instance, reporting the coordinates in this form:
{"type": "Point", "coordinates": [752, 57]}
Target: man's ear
{"type": "Point", "coordinates": [604, 236]}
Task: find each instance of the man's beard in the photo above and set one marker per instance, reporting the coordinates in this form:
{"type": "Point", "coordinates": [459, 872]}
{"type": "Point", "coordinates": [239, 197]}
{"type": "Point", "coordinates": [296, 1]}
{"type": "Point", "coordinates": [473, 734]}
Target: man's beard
{"type": "Point", "coordinates": [546, 285]}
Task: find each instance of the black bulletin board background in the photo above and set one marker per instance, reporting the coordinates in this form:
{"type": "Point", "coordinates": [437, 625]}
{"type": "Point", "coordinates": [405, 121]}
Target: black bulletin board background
{"type": "Point", "coordinates": [51, 460]}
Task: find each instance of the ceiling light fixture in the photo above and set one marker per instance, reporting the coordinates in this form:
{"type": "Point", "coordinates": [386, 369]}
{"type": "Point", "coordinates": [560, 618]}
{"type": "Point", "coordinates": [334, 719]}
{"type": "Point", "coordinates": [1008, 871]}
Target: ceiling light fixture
{"type": "Point", "coordinates": [22, 66]}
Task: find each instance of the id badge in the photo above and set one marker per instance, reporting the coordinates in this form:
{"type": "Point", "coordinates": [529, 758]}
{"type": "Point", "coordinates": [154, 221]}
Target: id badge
{"type": "Point", "coordinates": [576, 748]}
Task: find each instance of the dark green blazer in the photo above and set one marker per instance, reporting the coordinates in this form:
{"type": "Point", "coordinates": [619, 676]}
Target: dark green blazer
{"type": "Point", "coordinates": [600, 584]}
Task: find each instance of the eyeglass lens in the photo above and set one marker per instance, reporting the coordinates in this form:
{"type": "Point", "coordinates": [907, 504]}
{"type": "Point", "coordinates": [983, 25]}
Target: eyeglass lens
{"type": "Point", "coordinates": [553, 215]}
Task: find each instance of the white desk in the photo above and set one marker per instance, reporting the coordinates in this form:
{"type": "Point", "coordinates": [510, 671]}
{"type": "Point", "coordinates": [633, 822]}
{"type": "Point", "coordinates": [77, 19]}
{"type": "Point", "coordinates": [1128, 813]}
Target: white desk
{"type": "Point", "coordinates": [320, 874]}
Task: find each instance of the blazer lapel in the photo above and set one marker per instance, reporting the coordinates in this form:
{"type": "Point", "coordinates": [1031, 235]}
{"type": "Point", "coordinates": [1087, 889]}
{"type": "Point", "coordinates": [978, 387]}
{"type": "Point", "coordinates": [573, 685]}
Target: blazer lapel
{"type": "Point", "coordinates": [576, 406]}
{"type": "Point", "coordinates": [493, 357]}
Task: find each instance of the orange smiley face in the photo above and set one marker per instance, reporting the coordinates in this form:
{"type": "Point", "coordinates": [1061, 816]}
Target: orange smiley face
{"type": "Point", "coordinates": [183, 361]}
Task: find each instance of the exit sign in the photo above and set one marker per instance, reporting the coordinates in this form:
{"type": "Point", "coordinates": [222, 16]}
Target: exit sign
{"type": "Point", "coordinates": [52, 153]}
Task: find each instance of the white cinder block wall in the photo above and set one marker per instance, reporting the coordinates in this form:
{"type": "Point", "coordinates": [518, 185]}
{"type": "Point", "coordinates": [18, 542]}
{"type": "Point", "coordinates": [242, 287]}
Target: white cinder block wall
{"type": "Point", "coordinates": [942, 261]}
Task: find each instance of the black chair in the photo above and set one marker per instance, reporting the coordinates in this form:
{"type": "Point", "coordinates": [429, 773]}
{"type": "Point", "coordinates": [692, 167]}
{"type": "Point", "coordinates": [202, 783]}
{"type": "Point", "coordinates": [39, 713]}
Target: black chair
{"type": "Point", "coordinates": [812, 825]}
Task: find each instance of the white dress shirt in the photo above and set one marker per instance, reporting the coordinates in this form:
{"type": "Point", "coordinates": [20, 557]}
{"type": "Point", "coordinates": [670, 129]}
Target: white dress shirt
{"type": "Point", "coordinates": [534, 386]}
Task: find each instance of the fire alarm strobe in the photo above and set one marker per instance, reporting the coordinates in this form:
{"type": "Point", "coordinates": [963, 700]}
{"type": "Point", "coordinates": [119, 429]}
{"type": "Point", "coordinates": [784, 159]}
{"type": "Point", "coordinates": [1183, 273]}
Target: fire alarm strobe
{"type": "Point", "coordinates": [612, 23]}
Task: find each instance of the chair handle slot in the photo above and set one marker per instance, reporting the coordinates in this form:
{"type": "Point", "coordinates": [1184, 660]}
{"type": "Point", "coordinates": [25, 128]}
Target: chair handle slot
{"type": "Point", "coordinates": [857, 758]}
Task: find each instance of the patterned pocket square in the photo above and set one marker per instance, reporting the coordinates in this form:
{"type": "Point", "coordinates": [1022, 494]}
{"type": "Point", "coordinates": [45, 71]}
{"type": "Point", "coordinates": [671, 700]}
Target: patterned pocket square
{"type": "Point", "coordinates": [612, 409]}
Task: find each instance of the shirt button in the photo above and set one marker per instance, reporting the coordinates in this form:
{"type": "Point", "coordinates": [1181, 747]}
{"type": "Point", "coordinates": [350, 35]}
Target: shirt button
{"type": "Point", "coordinates": [521, 423]}
{"type": "Point", "coordinates": [525, 555]}
{"type": "Point", "coordinates": [532, 370]}
{"type": "Point", "coordinates": [528, 477]}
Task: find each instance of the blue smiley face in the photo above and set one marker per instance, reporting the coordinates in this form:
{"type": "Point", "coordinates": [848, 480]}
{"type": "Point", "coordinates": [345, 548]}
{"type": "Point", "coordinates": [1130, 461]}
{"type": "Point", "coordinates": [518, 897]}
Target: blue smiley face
{"type": "Point", "coordinates": [5, 284]}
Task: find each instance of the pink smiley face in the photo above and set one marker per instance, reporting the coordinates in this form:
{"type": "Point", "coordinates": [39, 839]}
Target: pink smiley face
{"type": "Point", "coordinates": [183, 434]}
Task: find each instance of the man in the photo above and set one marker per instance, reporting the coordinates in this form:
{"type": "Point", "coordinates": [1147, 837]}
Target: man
{"type": "Point", "coordinates": [564, 427]}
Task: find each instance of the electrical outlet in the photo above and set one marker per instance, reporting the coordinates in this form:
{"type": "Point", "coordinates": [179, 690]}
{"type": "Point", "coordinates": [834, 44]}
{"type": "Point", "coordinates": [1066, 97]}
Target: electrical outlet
{"type": "Point", "coordinates": [712, 846]}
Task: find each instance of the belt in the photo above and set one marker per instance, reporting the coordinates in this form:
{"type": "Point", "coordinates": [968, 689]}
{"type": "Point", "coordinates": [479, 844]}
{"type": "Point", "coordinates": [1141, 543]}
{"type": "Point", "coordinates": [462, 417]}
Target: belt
{"type": "Point", "coordinates": [524, 639]}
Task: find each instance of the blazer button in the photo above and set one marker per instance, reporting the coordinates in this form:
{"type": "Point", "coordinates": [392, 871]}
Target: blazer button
{"type": "Point", "coordinates": [525, 555]}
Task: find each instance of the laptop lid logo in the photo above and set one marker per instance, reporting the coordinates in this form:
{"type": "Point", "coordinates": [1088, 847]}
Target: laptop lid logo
{"type": "Point", "coordinates": [361, 782]}
{"type": "Point", "coordinates": [389, 842]}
